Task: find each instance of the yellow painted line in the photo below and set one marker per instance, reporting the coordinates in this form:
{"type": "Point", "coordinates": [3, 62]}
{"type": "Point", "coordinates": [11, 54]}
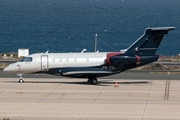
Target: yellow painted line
{"type": "Point", "coordinates": [165, 73]}
{"type": "Point", "coordinates": [45, 95]}
{"type": "Point", "coordinates": [6, 119]}
{"type": "Point", "coordinates": [57, 84]}
{"type": "Point", "coordinates": [34, 82]}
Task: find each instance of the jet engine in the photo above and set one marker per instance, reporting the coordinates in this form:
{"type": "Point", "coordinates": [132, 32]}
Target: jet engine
{"type": "Point", "coordinates": [116, 59]}
{"type": "Point", "coordinates": [128, 61]}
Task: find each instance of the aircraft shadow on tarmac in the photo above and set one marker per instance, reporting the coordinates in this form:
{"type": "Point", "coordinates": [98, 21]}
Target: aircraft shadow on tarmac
{"type": "Point", "coordinates": [100, 83]}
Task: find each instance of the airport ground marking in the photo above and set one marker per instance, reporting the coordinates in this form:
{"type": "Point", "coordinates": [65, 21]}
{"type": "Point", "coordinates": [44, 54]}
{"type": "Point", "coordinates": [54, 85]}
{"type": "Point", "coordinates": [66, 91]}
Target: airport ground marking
{"type": "Point", "coordinates": [37, 102]}
{"type": "Point", "coordinates": [91, 103]}
{"type": "Point", "coordinates": [168, 72]}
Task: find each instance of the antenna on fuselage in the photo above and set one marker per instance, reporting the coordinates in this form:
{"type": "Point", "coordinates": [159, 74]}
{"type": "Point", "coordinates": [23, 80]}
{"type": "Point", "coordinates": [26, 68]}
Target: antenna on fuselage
{"type": "Point", "coordinates": [47, 51]}
{"type": "Point", "coordinates": [84, 50]}
{"type": "Point", "coordinates": [95, 42]}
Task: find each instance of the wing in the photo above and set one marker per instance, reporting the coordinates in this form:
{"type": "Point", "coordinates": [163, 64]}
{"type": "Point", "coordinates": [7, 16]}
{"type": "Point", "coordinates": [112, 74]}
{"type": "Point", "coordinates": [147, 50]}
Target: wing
{"type": "Point", "coordinates": [86, 72]}
{"type": "Point", "coordinates": [81, 72]}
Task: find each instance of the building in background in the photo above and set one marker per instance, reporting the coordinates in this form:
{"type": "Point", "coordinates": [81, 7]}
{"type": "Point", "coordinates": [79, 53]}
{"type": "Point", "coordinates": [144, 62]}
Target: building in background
{"type": "Point", "coordinates": [23, 52]}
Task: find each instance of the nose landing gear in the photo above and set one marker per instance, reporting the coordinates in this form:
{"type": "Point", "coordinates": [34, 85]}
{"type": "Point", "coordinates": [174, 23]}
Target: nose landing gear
{"type": "Point", "coordinates": [21, 80]}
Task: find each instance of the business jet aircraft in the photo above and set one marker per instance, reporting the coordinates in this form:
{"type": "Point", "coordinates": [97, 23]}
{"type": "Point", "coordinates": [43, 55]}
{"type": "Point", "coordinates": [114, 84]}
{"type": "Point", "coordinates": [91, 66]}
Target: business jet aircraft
{"type": "Point", "coordinates": [91, 64]}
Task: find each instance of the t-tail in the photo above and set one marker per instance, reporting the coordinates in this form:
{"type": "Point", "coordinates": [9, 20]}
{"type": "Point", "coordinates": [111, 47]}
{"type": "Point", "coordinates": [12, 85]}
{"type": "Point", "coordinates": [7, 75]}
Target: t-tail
{"type": "Point", "coordinates": [141, 52]}
{"type": "Point", "coordinates": [148, 43]}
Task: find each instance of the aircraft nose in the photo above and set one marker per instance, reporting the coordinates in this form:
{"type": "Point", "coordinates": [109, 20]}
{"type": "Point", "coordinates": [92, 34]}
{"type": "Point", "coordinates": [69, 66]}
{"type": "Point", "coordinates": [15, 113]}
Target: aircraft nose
{"type": "Point", "coordinates": [8, 69]}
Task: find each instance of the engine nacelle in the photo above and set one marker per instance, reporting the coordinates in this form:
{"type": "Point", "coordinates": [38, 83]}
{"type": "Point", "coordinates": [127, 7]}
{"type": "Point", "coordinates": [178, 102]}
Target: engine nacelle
{"type": "Point", "coordinates": [128, 59]}
{"type": "Point", "coordinates": [116, 59]}
{"type": "Point", "coordinates": [146, 59]}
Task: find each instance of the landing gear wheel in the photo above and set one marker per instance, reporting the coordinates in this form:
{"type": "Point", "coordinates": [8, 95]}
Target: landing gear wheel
{"type": "Point", "coordinates": [93, 81]}
{"type": "Point", "coordinates": [21, 80]}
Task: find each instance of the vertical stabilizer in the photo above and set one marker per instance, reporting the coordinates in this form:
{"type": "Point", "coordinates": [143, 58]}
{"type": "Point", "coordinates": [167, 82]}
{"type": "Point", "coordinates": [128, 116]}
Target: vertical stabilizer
{"type": "Point", "coordinates": [149, 41]}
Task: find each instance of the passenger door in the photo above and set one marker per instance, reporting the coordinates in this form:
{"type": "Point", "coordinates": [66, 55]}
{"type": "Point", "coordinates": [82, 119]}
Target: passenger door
{"type": "Point", "coordinates": [44, 63]}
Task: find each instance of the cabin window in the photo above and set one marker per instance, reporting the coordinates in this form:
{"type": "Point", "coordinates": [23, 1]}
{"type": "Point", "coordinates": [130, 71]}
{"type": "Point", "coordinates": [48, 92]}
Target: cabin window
{"type": "Point", "coordinates": [67, 60]}
{"type": "Point", "coordinates": [75, 60]}
{"type": "Point", "coordinates": [87, 60]}
{"type": "Point", "coordinates": [53, 60]}
{"type": "Point", "coordinates": [60, 60]}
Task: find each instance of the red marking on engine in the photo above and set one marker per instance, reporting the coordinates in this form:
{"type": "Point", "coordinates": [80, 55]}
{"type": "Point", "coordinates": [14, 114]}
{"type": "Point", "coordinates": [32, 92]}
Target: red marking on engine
{"type": "Point", "coordinates": [110, 55]}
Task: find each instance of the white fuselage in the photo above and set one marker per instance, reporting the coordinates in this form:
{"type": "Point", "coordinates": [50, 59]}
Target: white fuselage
{"type": "Point", "coordinates": [43, 62]}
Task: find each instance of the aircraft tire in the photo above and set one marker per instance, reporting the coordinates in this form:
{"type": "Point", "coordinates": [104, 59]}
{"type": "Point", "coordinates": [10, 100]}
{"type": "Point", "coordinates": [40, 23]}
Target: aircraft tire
{"type": "Point", "coordinates": [94, 81]}
{"type": "Point", "coordinates": [21, 80]}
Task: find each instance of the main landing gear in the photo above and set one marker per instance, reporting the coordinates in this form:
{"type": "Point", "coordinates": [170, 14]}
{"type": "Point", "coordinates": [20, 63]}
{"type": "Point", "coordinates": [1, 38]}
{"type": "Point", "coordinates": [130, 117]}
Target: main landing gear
{"type": "Point", "coordinates": [92, 81]}
{"type": "Point", "coordinates": [21, 80]}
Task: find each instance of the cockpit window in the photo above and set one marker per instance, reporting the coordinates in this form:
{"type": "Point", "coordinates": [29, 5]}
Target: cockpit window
{"type": "Point", "coordinates": [26, 59]}
{"type": "Point", "coordinates": [22, 59]}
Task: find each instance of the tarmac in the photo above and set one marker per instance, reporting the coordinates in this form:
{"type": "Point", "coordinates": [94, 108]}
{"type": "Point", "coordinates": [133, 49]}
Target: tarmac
{"type": "Point", "coordinates": [74, 99]}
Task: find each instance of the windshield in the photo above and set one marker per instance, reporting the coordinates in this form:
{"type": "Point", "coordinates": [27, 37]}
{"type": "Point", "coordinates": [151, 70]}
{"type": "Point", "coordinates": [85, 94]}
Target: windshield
{"type": "Point", "coordinates": [26, 59]}
{"type": "Point", "coordinates": [22, 59]}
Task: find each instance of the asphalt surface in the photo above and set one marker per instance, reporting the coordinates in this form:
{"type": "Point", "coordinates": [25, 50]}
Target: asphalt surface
{"type": "Point", "coordinates": [131, 74]}
{"type": "Point", "coordinates": [138, 95]}
{"type": "Point", "coordinates": [64, 99]}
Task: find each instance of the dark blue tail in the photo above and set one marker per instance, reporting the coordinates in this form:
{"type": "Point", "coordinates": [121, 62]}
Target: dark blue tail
{"type": "Point", "coordinates": [148, 43]}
